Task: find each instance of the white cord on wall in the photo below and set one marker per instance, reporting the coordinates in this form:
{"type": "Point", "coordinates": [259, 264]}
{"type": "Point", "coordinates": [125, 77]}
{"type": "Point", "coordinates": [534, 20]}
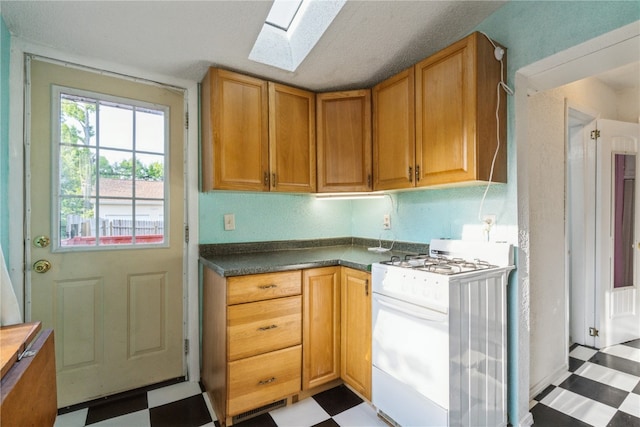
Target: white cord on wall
{"type": "Point", "coordinates": [498, 54]}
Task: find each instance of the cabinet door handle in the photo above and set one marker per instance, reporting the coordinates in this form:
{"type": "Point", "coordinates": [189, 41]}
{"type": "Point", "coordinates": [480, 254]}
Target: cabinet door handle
{"type": "Point", "coordinates": [269, 381]}
{"type": "Point", "coordinates": [369, 181]}
{"type": "Point", "coordinates": [273, 180]}
{"type": "Point", "coordinates": [266, 328]}
{"type": "Point", "coordinates": [266, 179]}
{"type": "Point", "coordinates": [417, 173]}
{"type": "Point", "coordinates": [267, 286]}
{"type": "Point", "coordinates": [366, 287]}
{"type": "Point", "coordinates": [410, 174]}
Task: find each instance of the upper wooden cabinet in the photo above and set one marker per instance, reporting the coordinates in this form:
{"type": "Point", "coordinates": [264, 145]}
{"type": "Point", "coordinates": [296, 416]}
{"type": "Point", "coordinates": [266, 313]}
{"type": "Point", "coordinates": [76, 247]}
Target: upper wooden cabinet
{"type": "Point", "coordinates": [456, 130]}
{"type": "Point", "coordinates": [394, 142]}
{"type": "Point", "coordinates": [235, 132]}
{"type": "Point", "coordinates": [344, 141]}
{"type": "Point", "coordinates": [292, 139]}
{"type": "Point", "coordinates": [433, 124]}
{"type": "Point", "coordinates": [256, 135]}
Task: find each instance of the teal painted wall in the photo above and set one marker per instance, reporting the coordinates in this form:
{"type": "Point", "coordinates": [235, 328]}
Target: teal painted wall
{"type": "Point", "coordinates": [265, 216]}
{"type": "Point", "coordinates": [5, 54]}
{"type": "Point", "coordinates": [534, 30]}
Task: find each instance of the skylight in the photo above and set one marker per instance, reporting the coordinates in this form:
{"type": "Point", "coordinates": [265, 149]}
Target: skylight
{"type": "Point", "coordinates": [282, 13]}
{"type": "Point", "coordinates": [291, 30]}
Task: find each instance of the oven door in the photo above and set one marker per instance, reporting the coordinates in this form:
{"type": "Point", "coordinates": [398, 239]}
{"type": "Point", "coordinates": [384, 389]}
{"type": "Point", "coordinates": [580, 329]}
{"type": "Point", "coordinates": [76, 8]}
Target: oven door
{"type": "Point", "coordinates": [410, 356]}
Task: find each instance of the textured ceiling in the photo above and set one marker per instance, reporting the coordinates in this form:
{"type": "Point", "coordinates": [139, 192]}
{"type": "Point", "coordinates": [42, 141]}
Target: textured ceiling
{"type": "Point", "coordinates": [367, 42]}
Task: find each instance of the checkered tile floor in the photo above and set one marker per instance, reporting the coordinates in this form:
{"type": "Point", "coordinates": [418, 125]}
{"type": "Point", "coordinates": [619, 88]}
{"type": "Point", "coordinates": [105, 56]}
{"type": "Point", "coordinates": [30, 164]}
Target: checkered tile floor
{"type": "Point", "coordinates": [601, 389]}
{"type": "Point", "coordinates": [186, 405]}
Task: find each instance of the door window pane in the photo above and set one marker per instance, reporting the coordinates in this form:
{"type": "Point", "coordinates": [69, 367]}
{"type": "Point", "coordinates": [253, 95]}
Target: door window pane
{"type": "Point", "coordinates": [624, 179]}
{"type": "Point", "coordinates": [77, 170]}
{"type": "Point", "coordinates": [150, 131]}
{"type": "Point", "coordinates": [110, 173]}
{"type": "Point", "coordinates": [120, 136]}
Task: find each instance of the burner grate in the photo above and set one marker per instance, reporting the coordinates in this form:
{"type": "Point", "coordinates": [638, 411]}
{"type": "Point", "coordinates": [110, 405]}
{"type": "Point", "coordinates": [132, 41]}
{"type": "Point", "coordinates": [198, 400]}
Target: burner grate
{"type": "Point", "coordinates": [438, 264]}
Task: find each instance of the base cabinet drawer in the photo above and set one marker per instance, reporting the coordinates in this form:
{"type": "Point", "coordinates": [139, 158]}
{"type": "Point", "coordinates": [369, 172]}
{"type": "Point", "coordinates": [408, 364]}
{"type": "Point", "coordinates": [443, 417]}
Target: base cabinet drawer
{"type": "Point", "coordinates": [260, 327]}
{"type": "Point", "coordinates": [259, 287]}
{"type": "Point", "coordinates": [259, 380]}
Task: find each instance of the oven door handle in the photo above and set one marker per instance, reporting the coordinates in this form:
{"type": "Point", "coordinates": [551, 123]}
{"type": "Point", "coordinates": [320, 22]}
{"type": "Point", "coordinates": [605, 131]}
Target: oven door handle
{"type": "Point", "coordinates": [424, 314]}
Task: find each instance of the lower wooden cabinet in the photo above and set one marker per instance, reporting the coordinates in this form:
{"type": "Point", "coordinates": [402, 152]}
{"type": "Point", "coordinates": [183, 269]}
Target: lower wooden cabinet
{"type": "Point", "coordinates": [251, 340]}
{"type": "Point", "coordinates": [28, 386]}
{"type": "Point", "coordinates": [355, 331]}
{"type": "Point", "coordinates": [269, 337]}
{"type": "Point", "coordinates": [321, 329]}
{"type": "Point", "coordinates": [336, 337]}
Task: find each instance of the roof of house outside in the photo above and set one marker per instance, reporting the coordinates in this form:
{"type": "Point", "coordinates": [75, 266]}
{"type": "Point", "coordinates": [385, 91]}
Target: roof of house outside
{"type": "Point", "coordinates": [124, 188]}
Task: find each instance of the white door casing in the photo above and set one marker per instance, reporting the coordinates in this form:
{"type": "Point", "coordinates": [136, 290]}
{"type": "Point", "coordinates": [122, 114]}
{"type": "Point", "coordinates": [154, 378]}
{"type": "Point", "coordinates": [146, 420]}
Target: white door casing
{"type": "Point", "coordinates": [117, 314]}
{"type": "Point", "coordinates": [581, 154]}
{"type": "Point", "coordinates": [617, 310]}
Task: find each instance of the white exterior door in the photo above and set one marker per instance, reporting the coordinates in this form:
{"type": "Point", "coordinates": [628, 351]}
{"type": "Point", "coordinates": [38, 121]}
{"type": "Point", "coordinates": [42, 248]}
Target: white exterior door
{"type": "Point", "coordinates": [617, 233]}
{"type": "Point", "coordinates": [108, 194]}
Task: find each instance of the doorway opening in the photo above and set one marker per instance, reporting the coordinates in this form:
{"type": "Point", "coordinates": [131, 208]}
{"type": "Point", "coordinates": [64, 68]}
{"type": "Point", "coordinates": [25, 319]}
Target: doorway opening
{"type": "Point", "coordinates": [601, 231]}
{"type": "Point", "coordinates": [580, 208]}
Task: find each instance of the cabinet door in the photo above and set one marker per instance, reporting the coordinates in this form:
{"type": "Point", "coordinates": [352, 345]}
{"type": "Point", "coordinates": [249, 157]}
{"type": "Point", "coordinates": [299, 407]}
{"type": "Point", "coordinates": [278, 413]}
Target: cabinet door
{"type": "Point", "coordinates": [292, 139]}
{"type": "Point", "coordinates": [321, 326]}
{"type": "Point", "coordinates": [234, 132]}
{"type": "Point", "coordinates": [445, 112]}
{"type": "Point", "coordinates": [356, 330]}
{"type": "Point", "coordinates": [394, 132]}
{"type": "Point", "coordinates": [457, 132]}
{"type": "Point", "coordinates": [344, 141]}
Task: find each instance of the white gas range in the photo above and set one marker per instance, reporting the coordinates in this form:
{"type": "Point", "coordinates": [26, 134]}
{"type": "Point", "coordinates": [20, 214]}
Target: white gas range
{"type": "Point", "coordinates": [439, 335]}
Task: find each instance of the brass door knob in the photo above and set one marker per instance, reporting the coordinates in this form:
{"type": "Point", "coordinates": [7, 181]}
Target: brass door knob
{"type": "Point", "coordinates": [41, 266]}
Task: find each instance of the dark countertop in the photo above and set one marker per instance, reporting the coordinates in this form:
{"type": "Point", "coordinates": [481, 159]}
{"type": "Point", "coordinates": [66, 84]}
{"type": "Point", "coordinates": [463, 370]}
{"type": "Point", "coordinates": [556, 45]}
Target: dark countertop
{"type": "Point", "coordinates": [231, 260]}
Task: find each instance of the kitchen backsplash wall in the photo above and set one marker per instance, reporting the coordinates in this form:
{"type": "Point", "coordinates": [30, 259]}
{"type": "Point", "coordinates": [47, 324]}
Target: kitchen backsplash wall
{"type": "Point", "coordinates": [269, 216]}
{"type": "Point", "coordinates": [416, 216]}
{"type": "Point", "coordinates": [421, 215]}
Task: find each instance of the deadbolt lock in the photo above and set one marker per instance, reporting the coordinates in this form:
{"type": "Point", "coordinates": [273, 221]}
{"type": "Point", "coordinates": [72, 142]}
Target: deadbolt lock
{"type": "Point", "coordinates": [41, 242]}
{"type": "Point", "coordinates": [42, 266]}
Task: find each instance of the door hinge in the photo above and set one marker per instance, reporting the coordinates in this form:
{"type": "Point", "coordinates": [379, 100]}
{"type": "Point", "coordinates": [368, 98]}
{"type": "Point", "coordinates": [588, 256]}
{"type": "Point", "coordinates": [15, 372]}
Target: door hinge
{"type": "Point", "coordinates": [593, 332]}
{"type": "Point", "coordinates": [186, 120]}
{"type": "Point", "coordinates": [595, 134]}
{"type": "Point", "coordinates": [186, 234]}
{"type": "Point", "coordinates": [186, 346]}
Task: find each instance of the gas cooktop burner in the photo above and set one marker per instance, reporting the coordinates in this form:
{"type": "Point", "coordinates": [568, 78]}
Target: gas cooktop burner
{"type": "Point", "coordinates": [438, 264]}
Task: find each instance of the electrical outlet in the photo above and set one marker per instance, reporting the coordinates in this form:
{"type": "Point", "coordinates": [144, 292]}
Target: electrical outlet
{"type": "Point", "coordinates": [229, 222]}
{"type": "Point", "coordinates": [386, 222]}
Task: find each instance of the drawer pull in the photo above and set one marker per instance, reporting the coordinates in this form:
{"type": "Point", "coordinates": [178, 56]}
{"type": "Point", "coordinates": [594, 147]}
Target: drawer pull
{"type": "Point", "coordinates": [267, 286]}
{"type": "Point", "coordinates": [266, 328]}
{"type": "Point", "coordinates": [269, 381]}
